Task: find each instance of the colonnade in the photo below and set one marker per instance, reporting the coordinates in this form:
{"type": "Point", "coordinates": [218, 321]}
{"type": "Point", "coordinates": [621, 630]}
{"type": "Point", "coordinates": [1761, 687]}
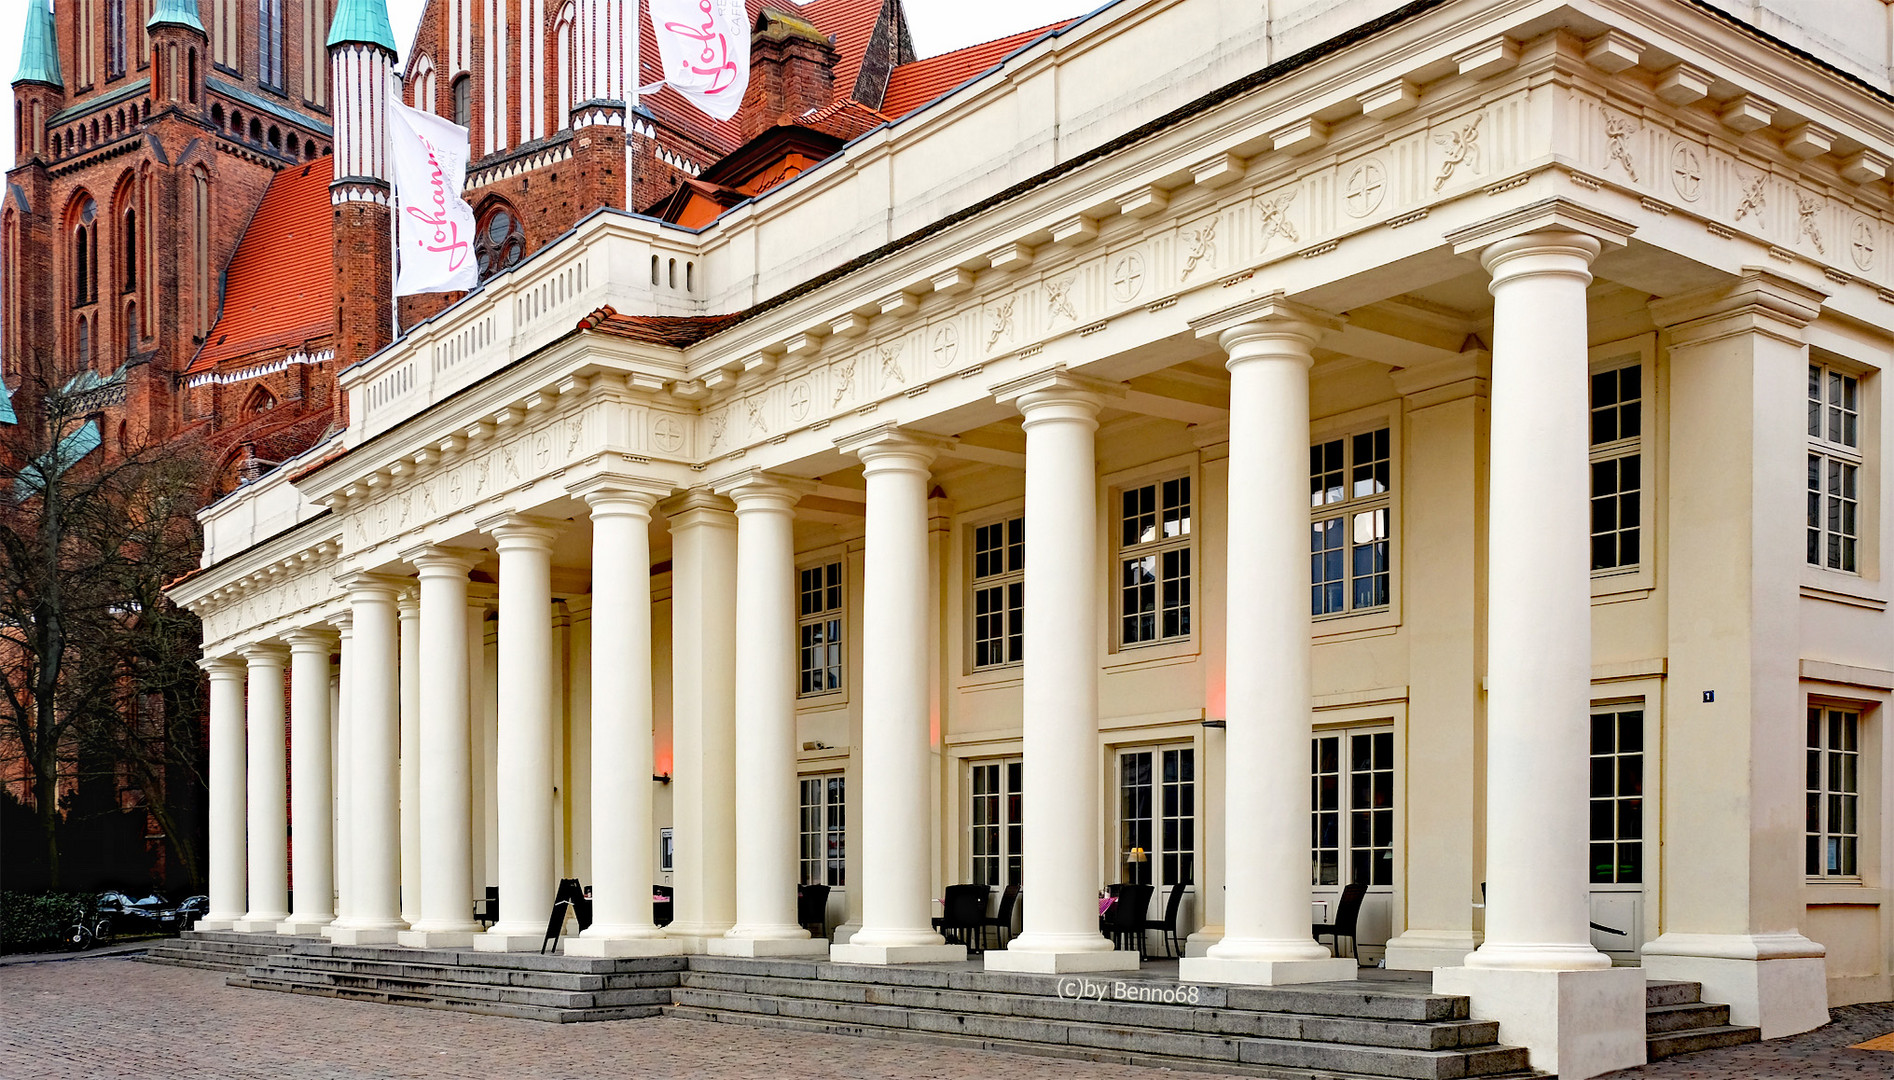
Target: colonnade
{"type": "Point", "coordinates": [735, 610]}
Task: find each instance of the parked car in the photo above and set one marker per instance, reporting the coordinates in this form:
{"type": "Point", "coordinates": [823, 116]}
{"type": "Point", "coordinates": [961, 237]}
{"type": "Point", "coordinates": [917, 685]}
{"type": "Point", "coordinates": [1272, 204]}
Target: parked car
{"type": "Point", "coordinates": [192, 909]}
{"type": "Point", "coordinates": [149, 913]}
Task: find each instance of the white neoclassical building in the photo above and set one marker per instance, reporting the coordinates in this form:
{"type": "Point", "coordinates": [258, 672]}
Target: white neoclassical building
{"type": "Point", "coordinates": [1435, 447]}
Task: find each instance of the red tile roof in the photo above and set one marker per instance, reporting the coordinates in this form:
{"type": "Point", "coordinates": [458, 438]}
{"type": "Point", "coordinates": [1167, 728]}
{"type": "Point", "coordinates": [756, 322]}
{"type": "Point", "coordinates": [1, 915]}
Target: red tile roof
{"type": "Point", "coordinates": [914, 85]}
{"type": "Point", "coordinates": [846, 120]}
{"type": "Point", "coordinates": [852, 22]}
{"type": "Point", "coordinates": [676, 331]}
{"type": "Point", "coordinates": [280, 288]}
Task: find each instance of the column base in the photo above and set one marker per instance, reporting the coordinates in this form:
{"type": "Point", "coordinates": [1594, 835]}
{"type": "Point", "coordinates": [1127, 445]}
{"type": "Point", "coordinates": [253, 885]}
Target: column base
{"type": "Point", "coordinates": [436, 939]}
{"type": "Point", "coordinates": [304, 927]}
{"type": "Point", "coordinates": [258, 924]}
{"type": "Point", "coordinates": [1216, 969]}
{"type": "Point", "coordinates": [361, 935]}
{"type": "Point", "coordinates": [757, 946]}
{"type": "Point", "coordinates": [1776, 982]}
{"type": "Point", "coordinates": [1199, 943]}
{"type": "Point", "coordinates": [1061, 961]}
{"type": "Point", "coordinates": [623, 946]}
{"type": "Point", "coordinates": [1576, 1024]}
{"type": "Point", "coordinates": [882, 955]}
{"type": "Point", "coordinates": [1425, 950]}
{"type": "Point", "coordinates": [227, 923]}
{"type": "Point", "coordinates": [695, 938]}
{"type": "Point", "coordinates": [500, 940]}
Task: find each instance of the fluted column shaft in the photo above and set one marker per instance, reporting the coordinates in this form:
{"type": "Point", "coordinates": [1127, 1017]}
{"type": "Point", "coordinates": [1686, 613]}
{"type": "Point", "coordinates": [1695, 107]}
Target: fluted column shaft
{"type": "Point", "coordinates": [527, 873]}
{"type": "Point", "coordinates": [444, 751]}
{"type": "Point", "coordinates": [228, 888]}
{"type": "Point", "coordinates": [310, 785]}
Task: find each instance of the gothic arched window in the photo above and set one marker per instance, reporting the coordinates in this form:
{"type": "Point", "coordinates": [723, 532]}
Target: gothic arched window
{"type": "Point", "coordinates": [85, 253]}
{"type": "Point", "coordinates": [500, 242]}
{"type": "Point", "coordinates": [463, 100]}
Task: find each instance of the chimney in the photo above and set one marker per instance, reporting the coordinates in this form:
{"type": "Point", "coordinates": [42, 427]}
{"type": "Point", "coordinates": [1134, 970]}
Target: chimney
{"type": "Point", "coordinates": [792, 71]}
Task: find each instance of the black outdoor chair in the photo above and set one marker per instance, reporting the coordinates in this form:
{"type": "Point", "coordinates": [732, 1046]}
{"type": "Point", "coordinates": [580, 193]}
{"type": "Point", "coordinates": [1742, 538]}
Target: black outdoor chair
{"type": "Point", "coordinates": [661, 905]}
{"type": "Point", "coordinates": [1124, 921]}
{"type": "Point", "coordinates": [1347, 915]}
{"type": "Point", "coordinates": [1167, 926]}
{"type": "Point", "coordinates": [487, 911]}
{"type": "Point", "coordinates": [1003, 919]}
{"type": "Point", "coordinates": [963, 918]}
{"type": "Point", "coordinates": [812, 909]}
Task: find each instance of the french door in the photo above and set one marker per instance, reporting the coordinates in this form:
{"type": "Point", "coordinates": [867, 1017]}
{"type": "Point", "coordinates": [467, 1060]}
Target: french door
{"type": "Point", "coordinates": [1351, 787]}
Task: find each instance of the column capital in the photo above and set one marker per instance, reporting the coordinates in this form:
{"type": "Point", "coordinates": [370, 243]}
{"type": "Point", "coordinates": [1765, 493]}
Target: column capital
{"type": "Point", "coordinates": [224, 667]}
{"type": "Point", "coordinates": [621, 491]}
{"type": "Point", "coordinates": [344, 623]}
{"type": "Point", "coordinates": [1274, 317]}
{"type": "Point", "coordinates": [1055, 380]}
{"type": "Point", "coordinates": [1554, 221]}
{"type": "Point", "coordinates": [756, 489]}
{"type": "Point", "coordinates": [263, 653]}
{"type": "Point", "coordinates": [311, 639]}
{"type": "Point", "coordinates": [887, 446]}
{"type": "Point", "coordinates": [698, 506]}
{"type": "Point", "coordinates": [437, 560]}
{"type": "Point", "coordinates": [520, 531]}
{"type": "Point", "coordinates": [1758, 300]}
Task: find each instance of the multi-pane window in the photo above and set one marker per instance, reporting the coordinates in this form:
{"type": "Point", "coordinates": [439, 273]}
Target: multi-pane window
{"type": "Point", "coordinates": [824, 827]}
{"type": "Point", "coordinates": [1157, 814]}
{"type": "Point", "coordinates": [1154, 562]}
{"type": "Point", "coordinates": [819, 629]}
{"type": "Point", "coordinates": [1617, 797]}
{"type": "Point", "coordinates": [1834, 791]}
{"type": "Point", "coordinates": [269, 43]}
{"type": "Point", "coordinates": [997, 828]}
{"type": "Point", "coordinates": [999, 592]}
{"type": "Point", "coordinates": [1834, 469]}
{"type": "Point", "coordinates": [115, 38]}
{"type": "Point", "coordinates": [1351, 788]}
{"type": "Point", "coordinates": [1617, 474]}
{"type": "Point", "coordinates": [499, 242]}
{"type": "Point", "coordinates": [463, 100]}
{"type": "Point", "coordinates": [1349, 492]}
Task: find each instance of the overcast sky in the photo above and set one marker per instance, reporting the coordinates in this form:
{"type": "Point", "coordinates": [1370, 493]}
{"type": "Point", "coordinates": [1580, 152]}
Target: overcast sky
{"type": "Point", "coordinates": [937, 25]}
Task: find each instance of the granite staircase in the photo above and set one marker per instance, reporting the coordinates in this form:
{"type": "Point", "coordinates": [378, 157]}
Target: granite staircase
{"type": "Point", "coordinates": [1676, 1021]}
{"type": "Point", "coordinates": [221, 950]}
{"type": "Point", "coordinates": [1340, 1030]}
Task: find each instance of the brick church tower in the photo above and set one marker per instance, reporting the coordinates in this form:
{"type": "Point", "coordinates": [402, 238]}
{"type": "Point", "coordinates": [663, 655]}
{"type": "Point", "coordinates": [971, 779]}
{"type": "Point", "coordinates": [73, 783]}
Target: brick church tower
{"type": "Point", "coordinates": [361, 65]}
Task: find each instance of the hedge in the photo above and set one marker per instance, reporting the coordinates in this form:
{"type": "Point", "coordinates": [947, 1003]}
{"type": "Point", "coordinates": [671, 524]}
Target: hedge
{"type": "Point", "coordinates": [32, 922]}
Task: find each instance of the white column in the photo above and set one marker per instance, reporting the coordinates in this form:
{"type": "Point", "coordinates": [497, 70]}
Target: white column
{"type": "Point", "coordinates": [623, 833]}
{"type": "Point", "coordinates": [1266, 936]}
{"type": "Point", "coordinates": [409, 609]}
{"type": "Point", "coordinates": [896, 878]}
{"type": "Point", "coordinates": [268, 784]}
{"type": "Point", "coordinates": [1537, 972]}
{"type": "Point", "coordinates": [444, 752]}
{"type": "Point", "coordinates": [1061, 800]}
{"type": "Point", "coordinates": [227, 794]}
{"type": "Point", "coordinates": [703, 678]}
{"type": "Point", "coordinates": [373, 913]}
{"type": "Point", "coordinates": [765, 723]}
{"type": "Point", "coordinates": [310, 788]}
{"type": "Point", "coordinates": [527, 877]}
{"type": "Point", "coordinates": [344, 771]}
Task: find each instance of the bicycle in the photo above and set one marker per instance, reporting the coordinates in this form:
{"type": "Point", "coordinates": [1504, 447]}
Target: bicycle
{"type": "Point", "coordinates": [87, 932]}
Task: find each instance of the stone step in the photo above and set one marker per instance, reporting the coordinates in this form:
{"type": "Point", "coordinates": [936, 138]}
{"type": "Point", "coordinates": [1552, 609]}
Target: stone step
{"type": "Point", "coordinates": [1358, 1000]}
{"type": "Point", "coordinates": [1665, 992]}
{"type": "Point", "coordinates": [1672, 1043]}
{"type": "Point", "coordinates": [395, 966]}
{"type": "Point", "coordinates": [1663, 1019]}
{"type": "Point", "coordinates": [515, 1010]}
{"type": "Point", "coordinates": [469, 958]}
{"type": "Point", "coordinates": [1079, 1051]}
{"type": "Point", "coordinates": [186, 960]}
{"type": "Point", "coordinates": [1413, 1035]}
{"type": "Point", "coordinates": [1143, 1042]}
{"type": "Point", "coordinates": [431, 988]}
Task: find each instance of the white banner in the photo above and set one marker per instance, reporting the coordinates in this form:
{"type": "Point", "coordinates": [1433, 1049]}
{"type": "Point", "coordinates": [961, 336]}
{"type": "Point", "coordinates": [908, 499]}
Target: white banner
{"type": "Point", "coordinates": [704, 46]}
{"type": "Point", "coordinates": [435, 226]}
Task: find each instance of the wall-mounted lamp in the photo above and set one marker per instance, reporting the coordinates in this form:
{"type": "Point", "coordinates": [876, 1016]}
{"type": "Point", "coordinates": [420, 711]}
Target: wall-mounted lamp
{"type": "Point", "coordinates": [662, 777]}
{"type": "Point", "coordinates": [1218, 724]}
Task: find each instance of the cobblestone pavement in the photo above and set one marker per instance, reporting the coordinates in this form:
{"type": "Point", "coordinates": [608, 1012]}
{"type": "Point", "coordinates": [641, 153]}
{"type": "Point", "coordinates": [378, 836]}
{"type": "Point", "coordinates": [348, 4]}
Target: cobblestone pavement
{"type": "Point", "coordinates": [107, 1016]}
{"type": "Point", "coordinates": [1823, 1054]}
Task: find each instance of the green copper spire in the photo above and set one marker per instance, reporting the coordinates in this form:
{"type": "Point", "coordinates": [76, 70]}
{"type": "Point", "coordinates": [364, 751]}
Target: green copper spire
{"type": "Point", "coordinates": [39, 58]}
{"type": "Point", "coordinates": [176, 13]}
{"type": "Point", "coordinates": [362, 21]}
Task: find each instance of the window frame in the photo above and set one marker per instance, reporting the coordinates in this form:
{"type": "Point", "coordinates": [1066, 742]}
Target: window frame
{"type": "Point", "coordinates": [839, 694]}
{"type": "Point", "coordinates": [1617, 798]}
{"type": "Point", "coordinates": [1010, 667]}
{"type": "Point", "coordinates": [1110, 523]}
{"type": "Point", "coordinates": [1862, 837]}
{"type": "Point", "coordinates": [1635, 582]}
{"type": "Point", "coordinates": [1855, 456]}
{"type": "Point", "coordinates": [1347, 508]}
{"type": "Point", "coordinates": [1155, 863]}
{"type": "Point", "coordinates": [1345, 809]}
{"type": "Point", "coordinates": [829, 829]}
{"type": "Point", "coordinates": [1009, 828]}
{"type": "Point", "coordinates": [1375, 621]}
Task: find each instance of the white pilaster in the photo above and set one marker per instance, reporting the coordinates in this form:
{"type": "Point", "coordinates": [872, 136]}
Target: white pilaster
{"type": "Point", "coordinates": [227, 794]}
{"type": "Point", "coordinates": [374, 911]}
{"type": "Point", "coordinates": [623, 833]}
{"type": "Point", "coordinates": [443, 751]}
{"type": "Point", "coordinates": [311, 750]}
{"type": "Point", "coordinates": [765, 724]}
{"type": "Point", "coordinates": [1266, 938]}
{"type": "Point", "coordinates": [1061, 800]}
{"type": "Point", "coordinates": [1537, 972]}
{"type": "Point", "coordinates": [896, 878]}
{"type": "Point", "coordinates": [408, 607]}
{"type": "Point", "coordinates": [268, 791]}
{"type": "Point", "coordinates": [703, 664]}
{"type": "Point", "coordinates": [527, 874]}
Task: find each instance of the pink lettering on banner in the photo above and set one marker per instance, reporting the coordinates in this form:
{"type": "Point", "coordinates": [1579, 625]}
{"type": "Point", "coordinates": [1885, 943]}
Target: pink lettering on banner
{"type": "Point", "coordinates": [713, 58]}
{"type": "Point", "coordinates": [446, 238]}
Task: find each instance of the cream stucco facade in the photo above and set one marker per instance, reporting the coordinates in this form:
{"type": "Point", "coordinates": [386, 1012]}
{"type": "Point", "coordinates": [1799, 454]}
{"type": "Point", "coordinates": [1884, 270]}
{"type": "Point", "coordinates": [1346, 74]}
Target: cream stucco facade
{"type": "Point", "coordinates": [1178, 242]}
